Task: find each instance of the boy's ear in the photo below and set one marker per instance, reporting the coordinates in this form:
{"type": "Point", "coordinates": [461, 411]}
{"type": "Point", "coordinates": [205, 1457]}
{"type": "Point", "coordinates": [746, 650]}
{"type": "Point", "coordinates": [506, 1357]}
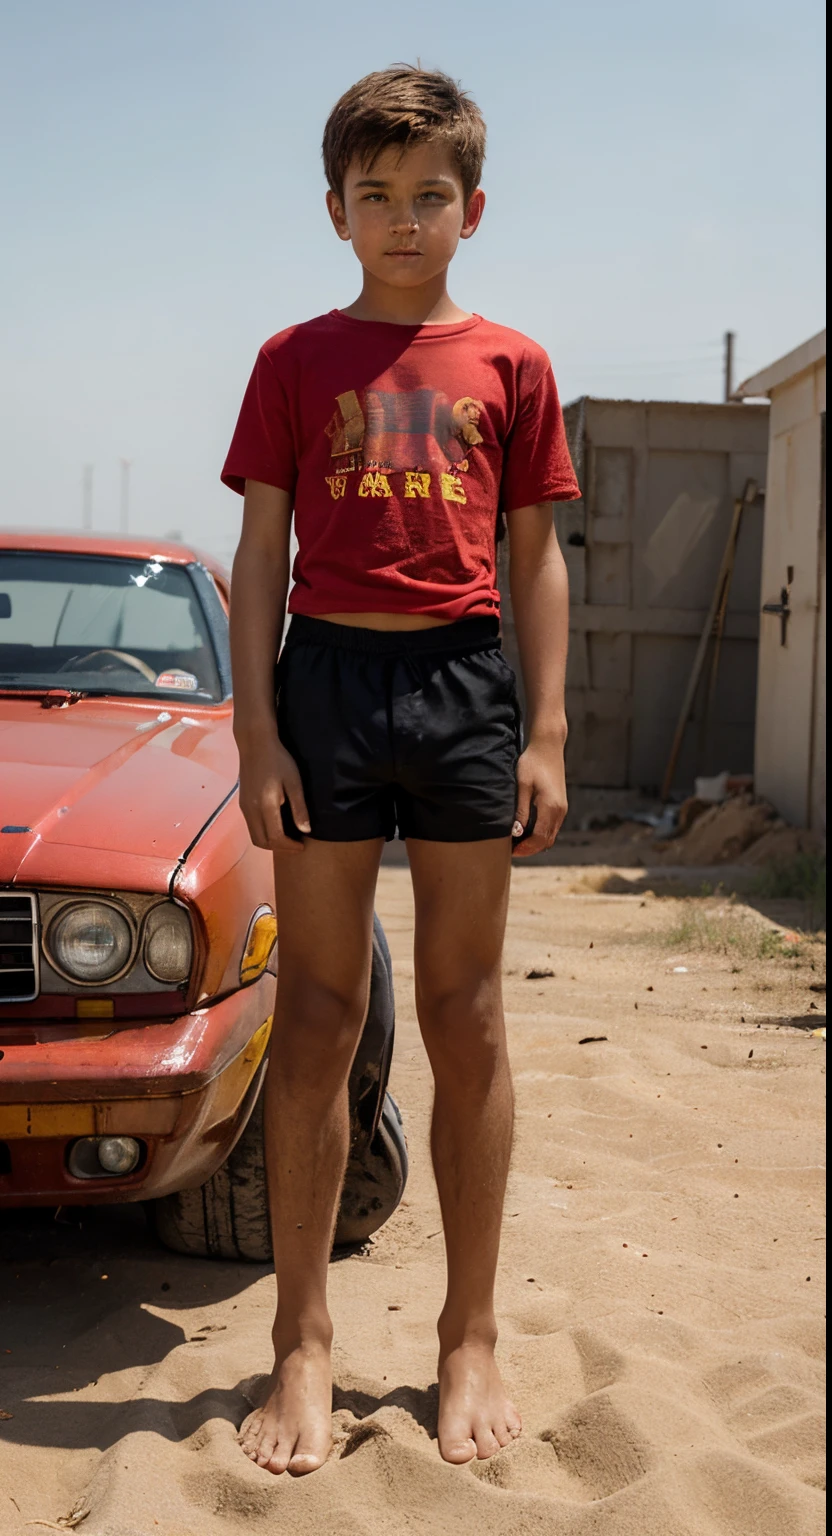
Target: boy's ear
{"type": "Point", "coordinates": [473, 214]}
{"type": "Point", "coordinates": [338, 216]}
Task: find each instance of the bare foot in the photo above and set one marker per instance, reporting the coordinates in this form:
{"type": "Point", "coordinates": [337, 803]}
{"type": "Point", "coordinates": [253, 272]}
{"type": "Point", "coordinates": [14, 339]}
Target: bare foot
{"type": "Point", "coordinates": [293, 1429]}
{"type": "Point", "coordinates": [476, 1417]}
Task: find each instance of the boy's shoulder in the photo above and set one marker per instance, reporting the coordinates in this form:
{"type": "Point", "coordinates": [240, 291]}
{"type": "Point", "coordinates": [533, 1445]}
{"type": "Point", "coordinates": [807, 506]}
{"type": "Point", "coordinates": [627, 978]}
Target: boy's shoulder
{"type": "Point", "coordinates": [526, 358]}
{"type": "Point", "coordinates": [295, 339]}
{"type": "Point", "coordinates": [513, 341]}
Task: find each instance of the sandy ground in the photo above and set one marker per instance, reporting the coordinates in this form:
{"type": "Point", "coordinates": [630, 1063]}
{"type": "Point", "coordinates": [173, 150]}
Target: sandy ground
{"type": "Point", "coordinates": [660, 1292]}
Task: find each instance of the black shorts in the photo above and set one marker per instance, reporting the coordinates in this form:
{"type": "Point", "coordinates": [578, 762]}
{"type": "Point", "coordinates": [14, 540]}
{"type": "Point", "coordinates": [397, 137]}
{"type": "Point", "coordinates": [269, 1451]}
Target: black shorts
{"type": "Point", "coordinates": [415, 731]}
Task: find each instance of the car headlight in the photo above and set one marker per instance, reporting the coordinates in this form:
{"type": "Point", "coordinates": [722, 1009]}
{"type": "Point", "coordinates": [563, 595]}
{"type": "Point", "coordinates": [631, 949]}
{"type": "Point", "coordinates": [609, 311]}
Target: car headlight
{"type": "Point", "coordinates": [90, 941]}
{"type": "Point", "coordinates": [168, 944]}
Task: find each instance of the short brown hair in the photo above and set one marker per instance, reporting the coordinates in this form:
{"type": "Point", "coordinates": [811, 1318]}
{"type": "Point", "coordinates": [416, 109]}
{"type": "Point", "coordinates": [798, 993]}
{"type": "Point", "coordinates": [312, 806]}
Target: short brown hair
{"type": "Point", "coordinates": [403, 105]}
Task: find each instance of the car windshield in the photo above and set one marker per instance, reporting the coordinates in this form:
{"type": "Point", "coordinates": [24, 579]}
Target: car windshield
{"type": "Point", "coordinates": [101, 625]}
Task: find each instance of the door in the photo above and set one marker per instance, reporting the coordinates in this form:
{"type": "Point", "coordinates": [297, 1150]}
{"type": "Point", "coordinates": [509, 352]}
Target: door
{"type": "Point", "coordinates": [790, 587]}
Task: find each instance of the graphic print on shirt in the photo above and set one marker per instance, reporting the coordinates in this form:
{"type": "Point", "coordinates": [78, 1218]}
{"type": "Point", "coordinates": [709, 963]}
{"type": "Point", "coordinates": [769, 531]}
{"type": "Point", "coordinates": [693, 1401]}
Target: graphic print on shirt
{"type": "Point", "coordinates": [417, 433]}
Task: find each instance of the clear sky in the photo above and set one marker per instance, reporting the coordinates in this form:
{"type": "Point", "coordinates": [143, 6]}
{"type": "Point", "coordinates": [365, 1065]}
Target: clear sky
{"type": "Point", "coordinates": [654, 177]}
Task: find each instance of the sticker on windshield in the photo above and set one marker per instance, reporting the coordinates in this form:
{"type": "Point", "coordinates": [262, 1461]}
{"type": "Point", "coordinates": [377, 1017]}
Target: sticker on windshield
{"type": "Point", "coordinates": [177, 679]}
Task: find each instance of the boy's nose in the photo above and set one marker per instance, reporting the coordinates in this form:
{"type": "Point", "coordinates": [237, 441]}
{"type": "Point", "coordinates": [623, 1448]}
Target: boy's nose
{"type": "Point", "coordinates": [404, 222]}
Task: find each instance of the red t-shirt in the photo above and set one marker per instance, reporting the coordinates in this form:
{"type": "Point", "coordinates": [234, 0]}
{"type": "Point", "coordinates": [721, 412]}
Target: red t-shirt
{"type": "Point", "coordinates": [399, 446]}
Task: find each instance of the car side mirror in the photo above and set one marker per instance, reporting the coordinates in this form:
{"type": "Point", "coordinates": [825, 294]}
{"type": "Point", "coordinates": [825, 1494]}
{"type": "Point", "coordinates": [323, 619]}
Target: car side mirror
{"type": "Point", "coordinates": [5, 606]}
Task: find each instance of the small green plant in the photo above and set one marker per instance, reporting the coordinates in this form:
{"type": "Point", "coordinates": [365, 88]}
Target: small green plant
{"type": "Point", "coordinates": [727, 933]}
{"type": "Point", "coordinates": [770, 946]}
{"type": "Point", "coordinates": [802, 878]}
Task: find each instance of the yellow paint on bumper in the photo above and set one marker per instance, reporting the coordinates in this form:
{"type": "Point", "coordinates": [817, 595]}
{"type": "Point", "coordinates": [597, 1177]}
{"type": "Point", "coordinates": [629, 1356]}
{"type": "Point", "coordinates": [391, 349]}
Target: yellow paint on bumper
{"type": "Point", "coordinates": [19, 1122]}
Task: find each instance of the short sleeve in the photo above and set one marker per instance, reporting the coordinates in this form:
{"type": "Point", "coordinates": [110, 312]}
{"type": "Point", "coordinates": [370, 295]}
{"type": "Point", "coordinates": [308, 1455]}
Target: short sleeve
{"type": "Point", "coordinates": [262, 447]}
{"type": "Point", "coordinates": [536, 462]}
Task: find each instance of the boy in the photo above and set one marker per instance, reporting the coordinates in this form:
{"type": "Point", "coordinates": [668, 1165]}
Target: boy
{"type": "Point", "coordinates": [401, 430]}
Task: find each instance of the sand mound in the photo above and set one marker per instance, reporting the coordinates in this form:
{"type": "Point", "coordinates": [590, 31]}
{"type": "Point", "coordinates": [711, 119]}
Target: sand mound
{"type": "Point", "coordinates": [661, 1296]}
{"type": "Point", "coordinates": [722, 832]}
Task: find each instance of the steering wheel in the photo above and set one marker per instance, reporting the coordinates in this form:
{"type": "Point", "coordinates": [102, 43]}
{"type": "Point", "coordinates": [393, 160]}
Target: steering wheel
{"type": "Point", "coordinates": [123, 656]}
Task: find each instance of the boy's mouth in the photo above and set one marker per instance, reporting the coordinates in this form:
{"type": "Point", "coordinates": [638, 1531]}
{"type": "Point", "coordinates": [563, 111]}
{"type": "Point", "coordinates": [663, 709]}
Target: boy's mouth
{"type": "Point", "coordinates": [399, 252]}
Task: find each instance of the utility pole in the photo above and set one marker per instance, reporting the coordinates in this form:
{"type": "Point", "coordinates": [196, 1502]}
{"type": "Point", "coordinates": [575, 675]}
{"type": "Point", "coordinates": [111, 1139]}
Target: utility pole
{"type": "Point", "coordinates": [124, 508]}
{"type": "Point", "coordinates": [86, 498]}
{"type": "Point", "coordinates": [730, 338]}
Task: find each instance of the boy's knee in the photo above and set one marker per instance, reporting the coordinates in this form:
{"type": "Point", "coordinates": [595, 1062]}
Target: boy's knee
{"type": "Point", "coordinates": [463, 1028]}
{"type": "Point", "coordinates": [469, 1001]}
{"type": "Point", "coordinates": [317, 1025]}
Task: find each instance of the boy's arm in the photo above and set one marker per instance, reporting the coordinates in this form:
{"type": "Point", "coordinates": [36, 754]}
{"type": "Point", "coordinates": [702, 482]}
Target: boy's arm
{"type": "Point", "coordinates": [259, 584]}
{"type": "Point", "coordinates": [540, 602]}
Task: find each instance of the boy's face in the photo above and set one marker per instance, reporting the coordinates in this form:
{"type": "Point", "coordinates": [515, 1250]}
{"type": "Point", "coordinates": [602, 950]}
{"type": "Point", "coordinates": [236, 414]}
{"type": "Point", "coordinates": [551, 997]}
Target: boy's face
{"type": "Point", "coordinates": [406, 215]}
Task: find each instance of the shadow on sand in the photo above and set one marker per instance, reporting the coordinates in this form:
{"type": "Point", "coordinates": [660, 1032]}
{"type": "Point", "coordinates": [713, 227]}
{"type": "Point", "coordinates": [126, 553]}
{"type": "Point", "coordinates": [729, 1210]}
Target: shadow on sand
{"type": "Point", "coordinates": [78, 1296]}
{"type": "Point", "coordinates": [81, 1291]}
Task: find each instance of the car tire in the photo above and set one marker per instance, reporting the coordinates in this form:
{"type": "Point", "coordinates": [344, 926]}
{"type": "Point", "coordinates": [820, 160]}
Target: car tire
{"type": "Point", "coordinates": [375, 1180]}
{"type": "Point", "coordinates": [228, 1217]}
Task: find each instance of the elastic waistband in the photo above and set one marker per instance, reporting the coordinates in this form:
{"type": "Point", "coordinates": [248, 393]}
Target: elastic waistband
{"type": "Point", "coordinates": [466, 635]}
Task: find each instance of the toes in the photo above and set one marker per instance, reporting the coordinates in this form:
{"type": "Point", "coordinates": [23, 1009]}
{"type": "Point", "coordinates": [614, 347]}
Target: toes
{"type": "Point", "coordinates": [279, 1459]}
{"type": "Point", "coordinates": [249, 1431]}
{"type": "Point", "coordinates": [486, 1442]}
{"type": "Point", "coordinates": [514, 1423]}
{"type": "Point", "coordinates": [502, 1435]}
{"type": "Point", "coordinates": [305, 1461]}
{"type": "Point", "coordinates": [311, 1451]}
{"type": "Point", "coordinates": [267, 1449]}
{"type": "Point", "coordinates": [457, 1451]}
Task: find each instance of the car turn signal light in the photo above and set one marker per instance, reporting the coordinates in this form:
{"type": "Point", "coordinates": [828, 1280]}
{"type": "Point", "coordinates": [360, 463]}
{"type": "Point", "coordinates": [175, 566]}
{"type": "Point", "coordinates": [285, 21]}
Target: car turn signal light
{"type": "Point", "coordinates": [94, 1008]}
{"type": "Point", "coordinates": [262, 936]}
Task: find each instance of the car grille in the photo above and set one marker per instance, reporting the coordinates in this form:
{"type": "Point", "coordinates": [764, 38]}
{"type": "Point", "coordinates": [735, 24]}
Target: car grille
{"type": "Point", "coordinates": [18, 947]}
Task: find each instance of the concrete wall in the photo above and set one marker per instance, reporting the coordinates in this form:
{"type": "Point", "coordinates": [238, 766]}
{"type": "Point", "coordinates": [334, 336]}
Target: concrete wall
{"type": "Point", "coordinates": [643, 548]}
{"type": "Point", "coordinates": [791, 704]}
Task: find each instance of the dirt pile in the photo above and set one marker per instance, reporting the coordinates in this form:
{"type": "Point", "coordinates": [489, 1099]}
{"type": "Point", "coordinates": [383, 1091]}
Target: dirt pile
{"type": "Point", "coordinates": [721, 834]}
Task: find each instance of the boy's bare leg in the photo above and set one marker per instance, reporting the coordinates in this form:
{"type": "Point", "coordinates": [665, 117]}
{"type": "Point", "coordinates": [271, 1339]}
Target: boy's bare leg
{"type": "Point", "coordinates": [324, 903]}
{"type": "Point", "coordinates": [461, 892]}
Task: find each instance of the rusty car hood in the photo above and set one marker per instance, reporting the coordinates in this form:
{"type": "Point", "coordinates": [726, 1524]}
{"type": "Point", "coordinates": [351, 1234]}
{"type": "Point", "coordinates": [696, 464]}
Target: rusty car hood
{"type": "Point", "coordinates": [108, 793]}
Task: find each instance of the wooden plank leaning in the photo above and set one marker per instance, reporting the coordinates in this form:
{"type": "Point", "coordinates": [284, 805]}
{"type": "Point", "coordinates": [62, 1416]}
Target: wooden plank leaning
{"type": "Point", "coordinates": [714, 624]}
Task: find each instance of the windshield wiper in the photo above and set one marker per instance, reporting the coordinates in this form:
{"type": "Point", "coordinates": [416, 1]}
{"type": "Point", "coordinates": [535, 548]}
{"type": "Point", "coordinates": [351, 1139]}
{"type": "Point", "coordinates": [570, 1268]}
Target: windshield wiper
{"type": "Point", "coordinates": [50, 698]}
{"type": "Point", "coordinates": [61, 698]}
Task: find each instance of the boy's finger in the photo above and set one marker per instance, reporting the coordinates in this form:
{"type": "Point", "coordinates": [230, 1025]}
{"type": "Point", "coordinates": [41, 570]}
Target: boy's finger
{"type": "Point", "coordinates": [542, 834]}
{"type": "Point", "coordinates": [297, 804]}
{"type": "Point", "coordinates": [545, 830]}
{"type": "Point", "coordinates": [524, 805]}
{"type": "Point", "coordinates": [535, 843]}
{"type": "Point", "coordinates": [279, 842]}
{"type": "Point", "coordinates": [551, 819]}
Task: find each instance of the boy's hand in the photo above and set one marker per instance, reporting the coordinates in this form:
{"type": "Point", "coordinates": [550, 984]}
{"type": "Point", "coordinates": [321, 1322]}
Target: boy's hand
{"type": "Point", "coordinates": [541, 778]}
{"type": "Point", "coordinates": [268, 778]}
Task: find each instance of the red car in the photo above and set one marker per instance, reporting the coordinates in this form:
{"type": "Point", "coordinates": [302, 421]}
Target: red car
{"type": "Point", "coordinates": [137, 931]}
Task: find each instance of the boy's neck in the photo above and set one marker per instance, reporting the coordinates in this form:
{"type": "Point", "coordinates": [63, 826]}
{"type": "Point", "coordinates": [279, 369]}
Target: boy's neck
{"type": "Point", "coordinates": [427, 304]}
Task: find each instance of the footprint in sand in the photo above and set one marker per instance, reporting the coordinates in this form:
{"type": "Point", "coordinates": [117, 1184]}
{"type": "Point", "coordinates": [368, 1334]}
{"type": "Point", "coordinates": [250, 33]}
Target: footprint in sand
{"type": "Point", "coordinates": [778, 1421]}
{"type": "Point", "coordinates": [738, 1497]}
{"type": "Point", "coordinates": [598, 1449]}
